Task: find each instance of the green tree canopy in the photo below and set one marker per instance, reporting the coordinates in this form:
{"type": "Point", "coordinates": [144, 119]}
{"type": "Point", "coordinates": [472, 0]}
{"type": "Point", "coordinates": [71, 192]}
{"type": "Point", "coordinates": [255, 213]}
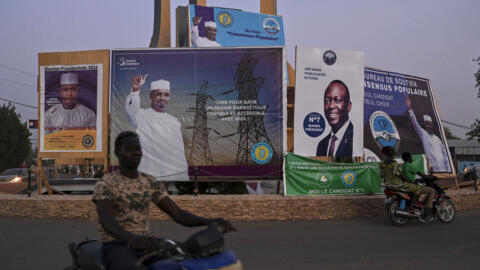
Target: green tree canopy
{"type": "Point", "coordinates": [15, 146]}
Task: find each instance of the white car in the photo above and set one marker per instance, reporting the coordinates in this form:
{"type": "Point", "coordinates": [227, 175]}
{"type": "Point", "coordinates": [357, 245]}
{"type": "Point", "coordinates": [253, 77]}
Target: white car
{"type": "Point", "coordinates": [14, 175]}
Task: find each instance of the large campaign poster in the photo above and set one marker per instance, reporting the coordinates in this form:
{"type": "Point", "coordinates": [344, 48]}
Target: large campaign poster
{"type": "Point", "coordinates": [222, 27]}
{"type": "Point", "coordinates": [211, 112]}
{"type": "Point", "coordinates": [400, 111]}
{"type": "Point", "coordinates": [328, 102]}
{"type": "Point", "coordinates": [71, 108]}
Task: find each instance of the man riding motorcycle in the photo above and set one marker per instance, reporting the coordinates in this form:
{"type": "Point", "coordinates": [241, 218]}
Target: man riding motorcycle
{"type": "Point", "coordinates": [122, 199]}
{"type": "Point", "coordinates": [392, 174]}
{"type": "Point", "coordinates": [409, 171]}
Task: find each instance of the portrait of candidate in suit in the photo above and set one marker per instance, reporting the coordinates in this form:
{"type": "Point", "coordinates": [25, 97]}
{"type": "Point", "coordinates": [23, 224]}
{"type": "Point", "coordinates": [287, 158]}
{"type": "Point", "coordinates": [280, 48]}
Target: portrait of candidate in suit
{"type": "Point", "coordinates": [337, 106]}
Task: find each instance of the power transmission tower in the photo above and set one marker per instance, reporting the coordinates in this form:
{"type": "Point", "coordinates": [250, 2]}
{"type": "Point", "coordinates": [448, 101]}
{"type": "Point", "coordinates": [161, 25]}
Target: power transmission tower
{"type": "Point", "coordinates": [200, 150]}
{"type": "Point", "coordinates": [252, 129]}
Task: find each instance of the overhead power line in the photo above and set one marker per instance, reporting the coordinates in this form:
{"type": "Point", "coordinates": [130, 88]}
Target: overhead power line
{"type": "Point", "coordinates": [456, 125]}
{"type": "Point", "coordinates": [18, 70]}
{"type": "Point", "coordinates": [17, 82]}
{"type": "Point", "coordinates": [18, 103]}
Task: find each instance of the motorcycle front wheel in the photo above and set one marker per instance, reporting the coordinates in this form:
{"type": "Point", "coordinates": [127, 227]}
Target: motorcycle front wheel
{"type": "Point", "coordinates": [445, 211]}
{"type": "Point", "coordinates": [391, 209]}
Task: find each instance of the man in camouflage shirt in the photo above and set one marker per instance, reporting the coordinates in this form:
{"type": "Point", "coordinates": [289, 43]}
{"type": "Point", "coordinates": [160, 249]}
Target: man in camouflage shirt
{"type": "Point", "coordinates": [391, 171]}
{"type": "Point", "coordinates": [122, 199]}
{"type": "Point", "coordinates": [392, 174]}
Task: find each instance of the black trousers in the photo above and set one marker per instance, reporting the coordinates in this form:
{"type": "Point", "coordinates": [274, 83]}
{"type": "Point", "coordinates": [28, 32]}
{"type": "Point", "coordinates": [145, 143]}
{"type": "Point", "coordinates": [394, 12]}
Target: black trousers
{"type": "Point", "coordinates": [118, 256]}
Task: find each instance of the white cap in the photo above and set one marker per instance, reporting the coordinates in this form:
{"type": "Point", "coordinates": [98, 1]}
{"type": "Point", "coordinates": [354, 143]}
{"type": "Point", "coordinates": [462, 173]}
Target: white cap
{"type": "Point", "coordinates": [427, 118]}
{"type": "Point", "coordinates": [210, 24]}
{"type": "Point", "coordinates": [160, 84]}
{"type": "Point", "coordinates": [69, 78]}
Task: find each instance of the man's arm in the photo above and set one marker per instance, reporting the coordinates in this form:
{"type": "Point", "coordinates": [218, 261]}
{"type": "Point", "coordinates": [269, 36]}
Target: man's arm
{"type": "Point", "coordinates": [132, 103]}
{"type": "Point", "coordinates": [108, 223]}
{"type": "Point", "coordinates": [194, 35]}
{"type": "Point", "coordinates": [188, 219]}
{"type": "Point", "coordinates": [413, 118]}
{"type": "Point", "coordinates": [404, 178]}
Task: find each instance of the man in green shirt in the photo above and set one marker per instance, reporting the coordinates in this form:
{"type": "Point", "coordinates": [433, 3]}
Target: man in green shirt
{"type": "Point", "coordinates": [409, 171]}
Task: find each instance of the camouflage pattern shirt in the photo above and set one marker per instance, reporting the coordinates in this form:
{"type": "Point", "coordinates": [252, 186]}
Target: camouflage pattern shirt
{"type": "Point", "coordinates": [391, 172]}
{"type": "Point", "coordinates": [131, 198]}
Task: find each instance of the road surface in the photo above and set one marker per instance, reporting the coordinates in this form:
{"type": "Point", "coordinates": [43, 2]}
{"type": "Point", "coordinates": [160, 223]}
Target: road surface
{"type": "Point", "coordinates": [356, 243]}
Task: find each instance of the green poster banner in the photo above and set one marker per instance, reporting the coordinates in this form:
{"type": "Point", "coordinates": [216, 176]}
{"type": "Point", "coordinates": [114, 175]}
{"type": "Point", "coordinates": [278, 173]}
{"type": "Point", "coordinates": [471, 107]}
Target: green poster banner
{"type": "Point", "coordinates": [306, 176]}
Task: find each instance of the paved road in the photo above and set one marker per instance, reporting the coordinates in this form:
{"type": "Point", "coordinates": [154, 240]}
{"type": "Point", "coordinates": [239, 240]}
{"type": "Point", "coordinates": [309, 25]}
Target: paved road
{"type": "Point", "coordinates": [358, 243]}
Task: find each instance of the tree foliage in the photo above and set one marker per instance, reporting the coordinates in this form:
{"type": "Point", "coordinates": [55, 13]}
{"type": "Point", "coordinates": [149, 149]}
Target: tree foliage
{"type": "Point", "coordinates": [449, 134]}
{"type": "Point", "coordinates": [15, 146]}
{"type": "Point", "coordinates": [474, 132]}
{"type": "Point", "coordinates": [477, 75]}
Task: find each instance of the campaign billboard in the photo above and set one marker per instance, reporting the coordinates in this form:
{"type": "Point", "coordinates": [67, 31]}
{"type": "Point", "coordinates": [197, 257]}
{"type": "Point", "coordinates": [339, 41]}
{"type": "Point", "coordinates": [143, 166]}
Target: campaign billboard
{"type": "Point", "coordinates": [400, 111]}
{"type": "Point", "coordinates": [223, 27]}
{"type": "Point", "coordinates": [328, 102]}
{"type": "Point", "coordinates": [216, 112]}
{"type": "Point", "coordinates": [71, 108]}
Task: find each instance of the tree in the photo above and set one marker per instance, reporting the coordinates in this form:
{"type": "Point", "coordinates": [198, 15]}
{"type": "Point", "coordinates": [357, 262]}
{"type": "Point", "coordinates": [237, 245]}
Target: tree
{"type": "Point", "coordinates": [474, 132]}
{"type": "Point", "coordinates": [449, 134]}
{"type": "Point", "coordinates": [477, 75]}
{"type": "Point", "coordinates": [15, 146]}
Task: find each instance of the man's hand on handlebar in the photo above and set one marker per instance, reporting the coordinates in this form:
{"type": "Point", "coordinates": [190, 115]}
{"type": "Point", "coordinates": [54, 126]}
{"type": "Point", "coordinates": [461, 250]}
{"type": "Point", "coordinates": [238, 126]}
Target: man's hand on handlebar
{"type": "Point", "coordinates": [225, 226]}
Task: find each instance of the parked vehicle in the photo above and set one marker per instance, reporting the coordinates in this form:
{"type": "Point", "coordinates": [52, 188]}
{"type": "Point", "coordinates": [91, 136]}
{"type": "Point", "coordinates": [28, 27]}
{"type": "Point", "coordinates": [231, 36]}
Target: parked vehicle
{"type": "Point", "coordinates": [398, 201]}
{"type": "Point", "coordinates": [14, 175]}
{"type": "Point", "coordinates": [471, 172]}
{"type": "Point", "coordinates": [203, 250]}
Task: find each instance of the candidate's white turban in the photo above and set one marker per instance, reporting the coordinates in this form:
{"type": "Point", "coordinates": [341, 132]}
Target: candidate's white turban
{"type": "Point", "coordinates": [69, 78]}
{"type": "Point", "coordinates": [210, 24]}
{"type": "Point", "coordinates": [160, 84]}
{"type": "Point", "coordinates": [427, 118]}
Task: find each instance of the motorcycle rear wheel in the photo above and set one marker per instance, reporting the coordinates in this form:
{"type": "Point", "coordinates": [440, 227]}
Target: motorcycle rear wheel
{"type": "Point", "coordinates": [445, 211]}
{"type": "Point", "coordinates": [391, 209]}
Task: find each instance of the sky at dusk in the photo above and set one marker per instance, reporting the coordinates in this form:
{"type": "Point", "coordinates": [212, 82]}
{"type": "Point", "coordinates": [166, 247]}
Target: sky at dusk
{"type": "Point", "coordinates": [434, 39]}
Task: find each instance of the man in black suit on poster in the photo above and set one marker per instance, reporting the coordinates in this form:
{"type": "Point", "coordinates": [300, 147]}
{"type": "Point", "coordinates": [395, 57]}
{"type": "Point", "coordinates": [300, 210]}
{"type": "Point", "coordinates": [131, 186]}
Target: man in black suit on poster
{"type": "Point", "coordinates": [337, 105]}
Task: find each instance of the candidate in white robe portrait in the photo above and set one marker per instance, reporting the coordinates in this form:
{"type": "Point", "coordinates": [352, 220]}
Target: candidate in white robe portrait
{"type": "Point", "coordinates": [160, 133]}
{"type": "Point", "coordinates": [210, 34]}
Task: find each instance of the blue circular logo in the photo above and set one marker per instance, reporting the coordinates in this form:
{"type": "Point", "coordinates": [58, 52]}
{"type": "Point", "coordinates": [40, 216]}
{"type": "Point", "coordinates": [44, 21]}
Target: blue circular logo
{"type": "Point", "coordinates": [349, 178]}
{"type": "Point", "coordinates": [262, 153]}
{"type": "Point", "coordinates": [384, 130]}
{"type": "Point", "coordinates": [225, 19]}
{"type": "Point", "coordinates": [87, 141]}
{"type": "Point", "coordinates": [271, 25]}
{"type": "Point", "coordinates": [314, 124]}
{"type": "Point", "coordinates": [329, 57]}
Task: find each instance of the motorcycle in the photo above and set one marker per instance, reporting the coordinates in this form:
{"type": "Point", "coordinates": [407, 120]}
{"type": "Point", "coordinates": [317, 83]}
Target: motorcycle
{"type": "Point", "coordinates": [398, 201]}
{"type": "Point", "coordinates": [203, 250]}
